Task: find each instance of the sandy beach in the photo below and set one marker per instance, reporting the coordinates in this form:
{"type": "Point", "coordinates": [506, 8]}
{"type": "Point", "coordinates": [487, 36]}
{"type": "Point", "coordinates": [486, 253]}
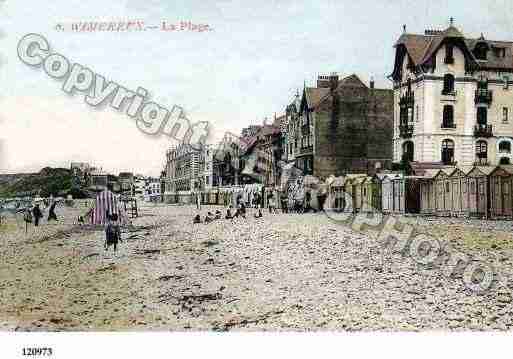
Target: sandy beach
{"type": "Point", "coordinates": [283, 272]}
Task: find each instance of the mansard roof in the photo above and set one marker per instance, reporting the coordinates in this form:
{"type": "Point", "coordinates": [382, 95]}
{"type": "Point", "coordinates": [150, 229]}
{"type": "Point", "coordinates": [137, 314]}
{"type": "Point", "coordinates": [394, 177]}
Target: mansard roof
{"type": "Point", "coordinates": [421, 48]}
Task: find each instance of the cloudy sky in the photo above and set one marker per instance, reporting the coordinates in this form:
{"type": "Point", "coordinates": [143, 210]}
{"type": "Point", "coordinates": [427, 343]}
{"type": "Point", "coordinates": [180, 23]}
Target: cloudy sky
{"type": "Point", "coordinates": [247, 68]}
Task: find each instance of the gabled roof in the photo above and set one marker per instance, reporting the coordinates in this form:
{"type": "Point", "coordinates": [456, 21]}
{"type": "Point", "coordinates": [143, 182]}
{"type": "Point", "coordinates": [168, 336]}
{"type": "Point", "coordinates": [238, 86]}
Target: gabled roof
{"type": "Point", "coordinates": [351, 81]}
{"type": "Point", "coordinates": [421, 48]}
{"type": "Point", "coordinates": [418, 168]}
{"type": "Point", "coordinates": [448, 170]}
{"type": "Point", "coordinates": [506, 169]}
{"type": "Point", "coordinates": [481, 170]}
{"type": "Point", "coordinates": [431, 172]}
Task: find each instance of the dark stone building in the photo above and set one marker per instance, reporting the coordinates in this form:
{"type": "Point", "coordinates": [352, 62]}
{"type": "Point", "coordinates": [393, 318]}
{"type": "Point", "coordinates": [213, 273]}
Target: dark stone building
{"type": "Point", "coordinates": [341, 127]}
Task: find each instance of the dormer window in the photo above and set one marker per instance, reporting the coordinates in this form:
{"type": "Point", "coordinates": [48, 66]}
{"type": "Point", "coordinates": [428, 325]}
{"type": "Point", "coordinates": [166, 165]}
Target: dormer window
{"type": "Point", "coordinates": [449, 58]}
{"type": "Point", "coordinates": [480, 51]}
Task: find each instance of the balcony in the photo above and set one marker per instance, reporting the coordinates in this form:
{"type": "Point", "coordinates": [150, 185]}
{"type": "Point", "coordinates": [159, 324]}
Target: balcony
{"type": "Point", "coordinates": [306, 150]}
{"type": "Point", "coordinates": [448, 125]}
{"type": "Point", "coordinates": [483, 96]}
{"type": "Point", "coordinates": [483, 130]}
{"type": "Point", "coordinates": [405, 131]}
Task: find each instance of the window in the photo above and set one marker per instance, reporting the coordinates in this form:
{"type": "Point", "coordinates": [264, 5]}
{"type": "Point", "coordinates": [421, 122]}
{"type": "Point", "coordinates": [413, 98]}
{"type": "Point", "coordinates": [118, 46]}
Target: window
{"type": "Point", "coordinates": [448, 84]}
{"type": "Point", "coordinates": [449, 58]}
{"type": "Point", "coordinates": [482, 115]}
{"type": "Point", "coordinates": [499, 51]}
{"type": "Point", "coordinates": [408, 151]}
{"type": "Point", "coordinates": [480, 51]}
{"type": "Point", "coordinates": [505, 80]}
{"type": "Point", "coordinates": [403, 116]}
{"type": "Point", "coordinates": [417, 113]}
{"type": "Point", "coordinates": [481, 152]}
{"type": "Point", "coordinates": [447, 187]}
{"type": "Point", "coordinates": [448, 117]}
{"type": "Point", "coordinates": [410, 115]}
{"type": "Point", "coordinates": [505, 146]}
{"type": "Point", "coordinates": [504, 161]}
{"type": "Point", "coordinates": [504, 115]}
{"type": "Point", "coordinates": [447, 152]}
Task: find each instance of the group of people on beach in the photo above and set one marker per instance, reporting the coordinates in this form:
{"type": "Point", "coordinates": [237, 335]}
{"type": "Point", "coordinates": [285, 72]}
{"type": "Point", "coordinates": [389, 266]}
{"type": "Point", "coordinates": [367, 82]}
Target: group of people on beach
{"type": "Point", "coordinates": [34, 214]}
{"type": "Point", "coordinates": [240, 212]}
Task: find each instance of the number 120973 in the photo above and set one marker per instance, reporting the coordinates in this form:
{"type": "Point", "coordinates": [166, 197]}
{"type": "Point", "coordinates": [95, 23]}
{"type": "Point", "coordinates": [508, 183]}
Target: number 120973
{"type": "Point", "coordinates": [37, 352]}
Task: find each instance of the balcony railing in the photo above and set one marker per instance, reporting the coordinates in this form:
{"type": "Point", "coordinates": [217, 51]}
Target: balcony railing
{"type": "Point", "coordinates": [448, 125]}
{"type": "Point", "coordinates": [451, 93]}
{"type": "Point", "coordinates": [483, 130]}
{"type": "Point", "coordinates": [306, 150]}
{"type": "Point", "coordinates": [405, 131]}
{"type": "Point", "coordinates": [483, 96]}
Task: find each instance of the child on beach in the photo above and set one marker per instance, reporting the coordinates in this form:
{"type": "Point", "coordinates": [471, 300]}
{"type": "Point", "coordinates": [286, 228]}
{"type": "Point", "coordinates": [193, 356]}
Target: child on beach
{"type": "Point", "coordinates": [112, 232]}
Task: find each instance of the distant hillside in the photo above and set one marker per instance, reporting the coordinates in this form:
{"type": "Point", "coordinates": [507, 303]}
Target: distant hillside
{"type": "Point", "coordinates": [49, 181]}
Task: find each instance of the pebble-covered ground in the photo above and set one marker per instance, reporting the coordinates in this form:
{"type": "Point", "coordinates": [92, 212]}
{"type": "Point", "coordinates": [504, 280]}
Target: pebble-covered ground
{"type": "Point", "coordinates": [280, 272]}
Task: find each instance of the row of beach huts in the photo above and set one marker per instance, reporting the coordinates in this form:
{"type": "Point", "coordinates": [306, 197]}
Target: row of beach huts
{"type": "Point", "coordinates": [472, 191]}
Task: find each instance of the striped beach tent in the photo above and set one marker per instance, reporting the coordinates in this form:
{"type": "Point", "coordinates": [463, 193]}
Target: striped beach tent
{"type": "Point", "coordinates": [107, 202]}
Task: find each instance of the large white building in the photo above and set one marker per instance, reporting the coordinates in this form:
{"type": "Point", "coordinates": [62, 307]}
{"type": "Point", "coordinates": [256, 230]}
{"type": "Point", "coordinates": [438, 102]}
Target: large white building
{"type": "Point", "coordinates": [452, 98]}
{"type": "Point", "coordinates": [182, 171]}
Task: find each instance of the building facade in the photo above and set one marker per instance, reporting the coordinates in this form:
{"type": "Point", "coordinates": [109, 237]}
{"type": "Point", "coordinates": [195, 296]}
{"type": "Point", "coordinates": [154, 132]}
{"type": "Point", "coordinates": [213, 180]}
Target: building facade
{"type": "Point", "coordinates": [341, 126]}
{"type": "Point", "coordinates": [183, 168]}
{"type": "Point", "coordinates": [452, 98]}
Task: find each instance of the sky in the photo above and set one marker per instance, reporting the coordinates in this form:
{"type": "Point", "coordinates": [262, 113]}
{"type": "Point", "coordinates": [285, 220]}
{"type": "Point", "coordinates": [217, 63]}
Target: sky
{"type": "Point", "coordinates": [247, 68]}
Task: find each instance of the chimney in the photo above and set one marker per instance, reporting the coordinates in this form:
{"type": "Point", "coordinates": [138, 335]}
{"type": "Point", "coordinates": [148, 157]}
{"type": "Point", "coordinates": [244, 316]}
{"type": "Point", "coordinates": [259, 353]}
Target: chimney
{"type": "Point", "coordinates": [327, 81]}
{"type": "Point", "coordinates": [333, 81]}
{"type": "Point", "coordinates": [372, 82]}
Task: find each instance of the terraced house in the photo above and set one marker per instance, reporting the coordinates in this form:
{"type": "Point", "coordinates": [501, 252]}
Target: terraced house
{"type": "Point", "coordinates": [453, 98]}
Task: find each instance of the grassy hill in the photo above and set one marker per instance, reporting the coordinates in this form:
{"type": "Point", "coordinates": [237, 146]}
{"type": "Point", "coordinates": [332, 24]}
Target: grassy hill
{"type": "Point", "coordinates": [49, 181]}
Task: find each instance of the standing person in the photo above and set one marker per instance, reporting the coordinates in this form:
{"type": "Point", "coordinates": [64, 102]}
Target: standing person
{"type": "Point", "coordinates": [308, 202]}
{"type": "Point", "coordinates": [321, 198]}
{"type": "Point", "coordinates": [284, 204]}
{"type": "Point", "coordinates": [198, 201]}
{"type": "Point", "coordinates": [271, 204]}
{"type": "Point", "coordinates": [112, 232]}
{"type": "Point", "coordinates": [51, 212]}
{"type": "Point", "coordinates": [27, 218]}
{"type": "Point", "coordinates": [37, 214]}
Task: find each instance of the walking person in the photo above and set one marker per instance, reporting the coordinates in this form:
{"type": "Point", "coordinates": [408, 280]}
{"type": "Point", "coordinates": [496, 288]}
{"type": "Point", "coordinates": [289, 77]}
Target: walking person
{"type": "Point", "coordinates": [51, 212]}
{"type": "Point", "coordinates": [36, 212]}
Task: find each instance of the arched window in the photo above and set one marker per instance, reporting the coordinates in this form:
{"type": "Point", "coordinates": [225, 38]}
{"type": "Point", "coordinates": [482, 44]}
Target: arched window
{"type": "Point", "coordinates": [504, 161]}
{"type": "Point", "coordinates": [408, 151]}
{"type": "Point", "coordinates": [447, 152]}
{"type": "Point", "coordinates": [481, 152]}
{"type": "Point", "coordinates": [448, 117]}
{"type": "Point", "coordinates": [505, 147]}
{"type": "Point", "coordinates": [448, 84]}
